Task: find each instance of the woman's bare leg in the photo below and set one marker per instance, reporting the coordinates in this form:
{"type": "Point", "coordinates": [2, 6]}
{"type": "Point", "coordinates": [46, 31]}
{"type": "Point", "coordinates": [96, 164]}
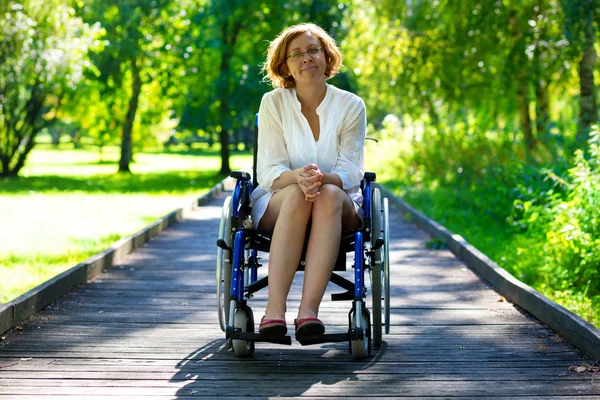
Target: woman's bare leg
{"type": "Point", "coordinates": [330, 212]}
{"type": "Point", "coordinates": [288, 213]}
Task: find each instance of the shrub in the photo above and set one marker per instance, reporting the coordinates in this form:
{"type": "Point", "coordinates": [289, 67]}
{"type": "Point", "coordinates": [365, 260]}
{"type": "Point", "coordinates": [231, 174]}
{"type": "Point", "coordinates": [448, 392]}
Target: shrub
{"type": "Point", "coordinates": [567, 222]}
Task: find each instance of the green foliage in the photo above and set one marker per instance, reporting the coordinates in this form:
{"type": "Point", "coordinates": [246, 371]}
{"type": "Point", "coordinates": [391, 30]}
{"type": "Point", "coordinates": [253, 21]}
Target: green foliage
{"type": "Point", "coordinates": [43, 46]}
{"type": "Point", "coordinates": [448, 59]}
{"type": "Point", "coordinates": [567, 224]}
{"type": "Point", "coordinates": [139, 70]}
{"type": "Point", "coordinates": [436, 244]}
{"type": "Point", "coordinates": [95, 111]}
{"type": "Point", "coordinates": [539, 222]}
{"type": "Point", "coordinates": [224, 76]}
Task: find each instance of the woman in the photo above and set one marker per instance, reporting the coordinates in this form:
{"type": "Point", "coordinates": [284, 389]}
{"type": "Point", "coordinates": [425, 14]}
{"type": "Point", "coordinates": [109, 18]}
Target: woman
{"type": "Point", "coordinates": [310, 165]}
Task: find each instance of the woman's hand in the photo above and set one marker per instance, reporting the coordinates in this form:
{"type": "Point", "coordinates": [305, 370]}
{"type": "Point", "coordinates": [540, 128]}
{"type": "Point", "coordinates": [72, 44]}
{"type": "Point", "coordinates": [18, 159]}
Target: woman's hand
{"type": "Point", "coordinates": [309, 180]}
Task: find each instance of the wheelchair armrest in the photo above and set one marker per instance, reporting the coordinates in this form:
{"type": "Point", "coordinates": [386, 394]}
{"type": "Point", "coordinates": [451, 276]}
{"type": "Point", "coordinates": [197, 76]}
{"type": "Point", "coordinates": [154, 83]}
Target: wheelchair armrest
{"type": "Point", "coordinates": [240, 174]}
{"type": "Point", "coordinates": [370, 176]}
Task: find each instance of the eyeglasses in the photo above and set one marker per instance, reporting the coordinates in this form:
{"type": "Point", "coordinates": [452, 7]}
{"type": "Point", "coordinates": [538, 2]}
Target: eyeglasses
{"type": "Point", "coordinates": [312, 52]}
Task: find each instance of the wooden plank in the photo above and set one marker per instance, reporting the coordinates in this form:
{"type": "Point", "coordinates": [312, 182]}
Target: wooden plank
{"type": "Point", "coordinates": [340, 353]}
{"type": "Point", "coordinates": [406, 346]}
{"type": "Point", "coordinates": [199, 394]}
{"type": "Point", "coordinates": [209, 377]}
{"type": "Point", "coordinates": [170, 304]}
{"type": "Point", "coordinates": [36, 299]}
{"type": "Point", "coordinates": [298, 386]}
{"type": "Point", "coordinates": [122, 338]}
{"type": "Point", "coordinates": [6, 317]}
{"type": "Point", "coordinates": [224, 369]}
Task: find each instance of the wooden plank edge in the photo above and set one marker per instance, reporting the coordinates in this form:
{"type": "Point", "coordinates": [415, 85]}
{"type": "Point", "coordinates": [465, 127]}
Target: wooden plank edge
{"type": "Point", "coordinates": [6, 317]}
{"type": "Point", "coordinates": [20, 309]}
{"type": "Point", "coordinates": [579, 332]}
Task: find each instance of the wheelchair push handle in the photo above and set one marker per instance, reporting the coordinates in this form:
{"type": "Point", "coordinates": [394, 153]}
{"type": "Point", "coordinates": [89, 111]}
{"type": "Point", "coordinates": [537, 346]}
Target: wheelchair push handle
{"type": "Point", "coordinates": [240, 175]}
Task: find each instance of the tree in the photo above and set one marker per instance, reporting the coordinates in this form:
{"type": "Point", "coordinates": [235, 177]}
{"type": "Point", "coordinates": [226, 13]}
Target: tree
{"type": "Point", "coordinates": [94, 107]}
{"type": "Point", "coordinates": [580, 32]}
{"type": "Point", "coordinates": [42, 55]}
{"type": "Point", "coordinates": [448, 60]}
{"type": "Point", "coordinates": [225, 83]}
{"type": "Point", "coordinates": [144, 46]}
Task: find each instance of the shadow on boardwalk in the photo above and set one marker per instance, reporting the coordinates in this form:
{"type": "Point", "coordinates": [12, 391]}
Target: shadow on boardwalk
{"type": "Point", "coordinates": [262, 376]}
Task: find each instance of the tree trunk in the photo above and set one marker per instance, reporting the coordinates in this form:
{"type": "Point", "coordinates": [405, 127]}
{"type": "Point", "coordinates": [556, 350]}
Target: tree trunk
{"type": "Point", "coordinates": [433, 115]}
{"type": "Point", "coordinates": [30, 142]}
{"type": "Point", "coordinates": [542, 108]}
{"type": "Point", "coordinates": [524, 116]}
{"type": "Point", "coordinates": [126, 143]}
{"type": "Point", "coordinates": [25, 136]}
{"type": "Point", "coordinates": [588, 111]}
{"type": "Point", "coordinates": [229, 40]}
{"type": "Point", "coordinates": [224, 140]}
{"type": "Point", "coordinates": [4, 157]}
{"type": "Point", "coordinates": [101, 154]}
{"type": "Point", "coordinates": [223, 114]}
{"type": "Point", "coordinates": [542, 113]}
{"type": "Point", "coordinates": [5, 172]}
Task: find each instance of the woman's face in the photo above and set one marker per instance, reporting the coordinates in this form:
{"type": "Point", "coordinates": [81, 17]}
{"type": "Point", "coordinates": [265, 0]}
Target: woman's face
{"type": "Point", "coordinates": [306, 59]}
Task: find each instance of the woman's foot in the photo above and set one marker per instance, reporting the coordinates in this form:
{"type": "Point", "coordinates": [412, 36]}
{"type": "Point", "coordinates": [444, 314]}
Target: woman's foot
{"type": "Point", "coordinates": [308, 327]}
{"type": "Point", "coordinates": [272, 327]}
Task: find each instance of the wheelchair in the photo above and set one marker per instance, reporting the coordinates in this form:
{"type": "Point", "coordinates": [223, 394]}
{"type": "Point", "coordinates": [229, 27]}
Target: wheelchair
{"type": "Point", "coordinates": [239, 245]}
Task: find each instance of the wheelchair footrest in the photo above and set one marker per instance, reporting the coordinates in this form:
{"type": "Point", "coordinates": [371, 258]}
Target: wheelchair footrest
{"type": "Point", "coordinates": [342, 296]}
{"type": "Point", "coordinates": [353, 334]}
{"type": "Point", "coordinates": [257, 337]}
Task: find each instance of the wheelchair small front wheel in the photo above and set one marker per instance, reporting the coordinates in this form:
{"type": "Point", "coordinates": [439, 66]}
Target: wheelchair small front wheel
{"type": "Point", "coordinates": [243, 319]}
{"type": "Point", "coordinates": [361, 348]}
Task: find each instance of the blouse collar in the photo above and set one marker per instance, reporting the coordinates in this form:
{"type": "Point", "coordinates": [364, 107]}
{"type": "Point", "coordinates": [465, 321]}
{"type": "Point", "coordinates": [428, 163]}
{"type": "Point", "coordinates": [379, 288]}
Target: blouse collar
{"type": "Point", "coordinates": [321, 106]}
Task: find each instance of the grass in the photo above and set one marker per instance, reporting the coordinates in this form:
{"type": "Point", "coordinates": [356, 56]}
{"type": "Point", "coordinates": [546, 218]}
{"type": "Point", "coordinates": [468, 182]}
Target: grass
{"type": "Point", "coordinates": [446, 207]}
{"type": "Point", "coordinates": [69, 205]}
{"type": "Point", "coordinates": [23, 271]}
{"type": "Point", "coordinates": [452, 209]}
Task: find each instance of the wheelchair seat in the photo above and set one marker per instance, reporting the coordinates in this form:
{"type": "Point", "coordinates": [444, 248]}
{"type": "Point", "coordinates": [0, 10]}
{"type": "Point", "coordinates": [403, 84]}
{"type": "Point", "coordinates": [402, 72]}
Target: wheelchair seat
{"type": "Point", "coordinates": [260, 240]}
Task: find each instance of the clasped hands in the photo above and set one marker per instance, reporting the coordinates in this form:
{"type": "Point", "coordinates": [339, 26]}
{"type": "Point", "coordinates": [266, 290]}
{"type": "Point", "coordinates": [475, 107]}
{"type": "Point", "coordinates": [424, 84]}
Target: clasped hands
{"type": "Point", "coordinates": [309, 180]}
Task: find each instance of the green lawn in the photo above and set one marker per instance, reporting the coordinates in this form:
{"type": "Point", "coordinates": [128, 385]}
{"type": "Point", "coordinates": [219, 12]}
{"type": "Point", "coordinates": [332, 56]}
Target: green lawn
{"type": "Point", "coordinates": [68, 206]}
{"type": "Point", "coordinates": [451, 208]}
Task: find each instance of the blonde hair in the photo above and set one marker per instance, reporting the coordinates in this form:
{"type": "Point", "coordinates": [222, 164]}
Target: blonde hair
{"type": "Point", "coordinates": [275, 67]}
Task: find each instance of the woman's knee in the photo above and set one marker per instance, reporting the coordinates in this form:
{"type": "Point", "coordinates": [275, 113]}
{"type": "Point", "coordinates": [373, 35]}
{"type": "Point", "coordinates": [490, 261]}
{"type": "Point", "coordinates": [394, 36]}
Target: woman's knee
{"type": "Point", "coordinates": [330, 201]}
{"type": "Point", "coordinates": [294, 199]}
{"type": "Point", "coordinates": [293, 194]}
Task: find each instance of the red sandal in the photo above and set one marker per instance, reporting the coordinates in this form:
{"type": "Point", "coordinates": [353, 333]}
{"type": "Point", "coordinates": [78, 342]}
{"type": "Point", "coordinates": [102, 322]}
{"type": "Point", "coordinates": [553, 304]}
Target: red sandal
{"type": "Point", "coordinates": [272, 327]}
{"type": "Point", "coordinates": [309, 327]}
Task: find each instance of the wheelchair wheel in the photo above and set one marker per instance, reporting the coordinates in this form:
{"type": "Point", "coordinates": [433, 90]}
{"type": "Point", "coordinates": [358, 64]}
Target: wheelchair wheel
{"type": "Point", "coordinates": [361, 348]}
{"type": "Point", "coordinates": [224, 258]}
{"type": "Point", "coordinates": [377, 270]}
{"type": "Point", "coordinates": [243, 319]}
{"type": "Point", "coordinates": [386, 263]}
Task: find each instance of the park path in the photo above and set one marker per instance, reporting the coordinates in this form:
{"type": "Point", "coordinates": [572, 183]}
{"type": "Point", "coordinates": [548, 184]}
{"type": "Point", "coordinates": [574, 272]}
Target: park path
{"type": "Point", "coordinates": [148, 327]}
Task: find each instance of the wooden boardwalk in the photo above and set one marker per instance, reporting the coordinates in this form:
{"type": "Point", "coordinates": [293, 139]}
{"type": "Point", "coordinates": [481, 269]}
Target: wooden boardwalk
{"type": "Point", "coordinates": [148, 328]}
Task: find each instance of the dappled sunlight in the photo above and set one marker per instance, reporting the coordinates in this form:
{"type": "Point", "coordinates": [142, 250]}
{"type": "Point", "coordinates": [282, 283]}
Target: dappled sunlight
{"type": "Point", "coordinates": [484, 118]}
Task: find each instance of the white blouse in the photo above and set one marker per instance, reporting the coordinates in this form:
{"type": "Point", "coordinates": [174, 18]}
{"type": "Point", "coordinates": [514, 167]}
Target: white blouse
{"type": "Point", "coordinates": [286, 142]}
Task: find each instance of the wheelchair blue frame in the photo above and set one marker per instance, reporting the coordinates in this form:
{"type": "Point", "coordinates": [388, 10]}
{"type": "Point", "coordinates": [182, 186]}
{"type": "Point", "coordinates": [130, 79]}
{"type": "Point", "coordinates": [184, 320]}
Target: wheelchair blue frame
{"type": "Point", "coordinates": [237, 278]}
